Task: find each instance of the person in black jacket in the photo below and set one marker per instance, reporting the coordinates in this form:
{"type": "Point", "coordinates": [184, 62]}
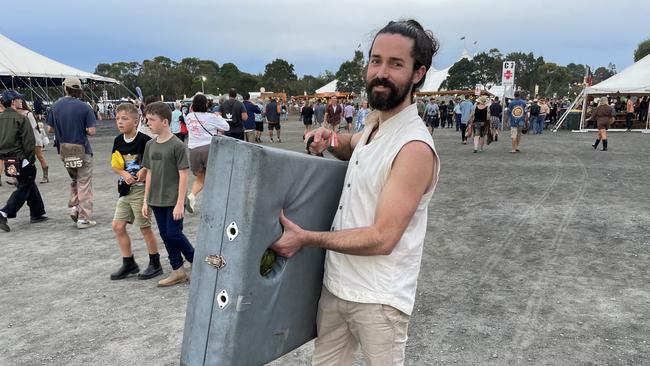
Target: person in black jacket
{"type": "Point", "coordinates": [496, 111]}
{"type": "Point", "coordinates": [17, 144]}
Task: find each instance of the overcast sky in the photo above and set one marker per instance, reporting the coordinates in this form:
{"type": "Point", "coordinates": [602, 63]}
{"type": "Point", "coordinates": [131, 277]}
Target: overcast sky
{"type": "Point", "coordinates": [319, 35]}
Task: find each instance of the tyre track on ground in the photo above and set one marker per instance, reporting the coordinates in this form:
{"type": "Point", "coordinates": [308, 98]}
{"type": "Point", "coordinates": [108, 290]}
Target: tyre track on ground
{"type": "Point", "coordinates": [497, 256]}
{"type": "Point", "coordinates": [526, 329]}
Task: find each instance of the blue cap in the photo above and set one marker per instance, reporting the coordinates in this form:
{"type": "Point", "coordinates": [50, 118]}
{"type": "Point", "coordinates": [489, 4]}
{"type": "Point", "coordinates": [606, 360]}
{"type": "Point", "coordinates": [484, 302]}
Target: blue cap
{"type": "Point", "coordinates": [10, 95]}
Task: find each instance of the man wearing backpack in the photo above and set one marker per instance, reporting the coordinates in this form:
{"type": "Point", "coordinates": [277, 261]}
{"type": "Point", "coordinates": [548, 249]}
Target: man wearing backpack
{"type": "Point", "coordinates": [535, 110]}
{"type": "Point", "coordinates": [235, 113]}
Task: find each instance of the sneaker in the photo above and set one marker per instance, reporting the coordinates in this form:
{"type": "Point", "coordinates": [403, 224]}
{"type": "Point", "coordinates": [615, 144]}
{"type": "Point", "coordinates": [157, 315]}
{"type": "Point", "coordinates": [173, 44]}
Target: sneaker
{"type": "Point", "coordinates": [190, 203]}
{"type": "Point", "coordinates": [475, 151]}
{"type": "Point", "coordinates": [3, 224]}
{"type": "Point", "coordinates": [279, 139]}
{"type": "Point", "coordinates": [85, 224]}
{"type": "Point", "coordinates": [37, 219]}
{"type": "Point", "coordinates": [74, 214]}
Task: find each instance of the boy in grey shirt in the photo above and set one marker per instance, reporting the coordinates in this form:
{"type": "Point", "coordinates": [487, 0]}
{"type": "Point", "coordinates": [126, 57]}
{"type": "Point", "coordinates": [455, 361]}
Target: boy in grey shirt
{"type": "Point", "coordinates": [167, 174]}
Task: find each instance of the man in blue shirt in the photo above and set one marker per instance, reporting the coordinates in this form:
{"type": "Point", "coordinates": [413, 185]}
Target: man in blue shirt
{"type": "Point", "coordinates": [466, 108]}
{"type": "Point", "coordinates": [72, 121]}
{"type": "Point", "coordinates": [517, 114]}
{"type": "Point", "coordinates": [249, 123]}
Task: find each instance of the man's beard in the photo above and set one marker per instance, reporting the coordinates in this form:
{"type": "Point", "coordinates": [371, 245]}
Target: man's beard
{"type": "Point", "coordinates": [385, 101]}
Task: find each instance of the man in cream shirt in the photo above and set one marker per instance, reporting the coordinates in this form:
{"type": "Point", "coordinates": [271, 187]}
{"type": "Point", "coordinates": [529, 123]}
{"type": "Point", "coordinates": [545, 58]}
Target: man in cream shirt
{"type": "Point", "coordinates": [374, 248]}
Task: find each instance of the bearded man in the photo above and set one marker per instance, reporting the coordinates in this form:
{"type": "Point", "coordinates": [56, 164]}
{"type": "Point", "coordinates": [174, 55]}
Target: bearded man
{"type": "Point", "coordinates": [374, 248]}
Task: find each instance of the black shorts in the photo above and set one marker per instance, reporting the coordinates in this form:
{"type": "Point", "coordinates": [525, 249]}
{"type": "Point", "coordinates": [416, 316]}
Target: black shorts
{"type": "Point", "coordinates": [274, 125]}
{"type": "Point", "coordinates": [307, 122]}
{"type": "Point", "coordinates": [259, 126]}
{"type": "Point", "coordinates": [348, 120]}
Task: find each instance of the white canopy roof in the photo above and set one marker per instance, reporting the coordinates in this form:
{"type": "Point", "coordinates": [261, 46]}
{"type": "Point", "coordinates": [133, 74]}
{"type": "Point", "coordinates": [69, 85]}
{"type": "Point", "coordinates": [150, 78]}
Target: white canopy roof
{"type": "Point", "coordinates": [633, 80]}
{"type": "Point", "coordinates": [18, 61]}
{"type": "Point", "coordinates": [328, 88]}
{"type": "Point", "coordinates": [435, 78]}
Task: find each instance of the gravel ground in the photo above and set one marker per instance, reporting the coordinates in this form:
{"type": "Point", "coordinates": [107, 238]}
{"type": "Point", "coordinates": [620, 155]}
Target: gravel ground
{"type": "Point", "coordinates": [537, 258]}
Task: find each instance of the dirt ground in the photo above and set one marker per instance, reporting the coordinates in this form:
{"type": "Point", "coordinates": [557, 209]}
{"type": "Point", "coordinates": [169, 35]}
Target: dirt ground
{"type": "Point", "coordinates": [537, 258]}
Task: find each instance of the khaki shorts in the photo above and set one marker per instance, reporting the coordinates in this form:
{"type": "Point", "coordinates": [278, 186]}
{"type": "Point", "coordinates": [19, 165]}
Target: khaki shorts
{"type": "Point", "coordinates": [515, 131]}
{"type": "Point", "coordinates": [381, 330]}
{"type": "Point", "coordinates": [129, 208]}
{"type": "Point", "coordinates": [199, 158]}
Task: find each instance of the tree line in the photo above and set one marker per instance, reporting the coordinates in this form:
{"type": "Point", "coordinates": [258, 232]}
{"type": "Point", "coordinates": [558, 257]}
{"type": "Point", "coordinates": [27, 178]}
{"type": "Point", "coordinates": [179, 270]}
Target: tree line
{"type": "Point", "coordinates": [531, 73]}
{"type": "Point", "coordinates": [171, 79]}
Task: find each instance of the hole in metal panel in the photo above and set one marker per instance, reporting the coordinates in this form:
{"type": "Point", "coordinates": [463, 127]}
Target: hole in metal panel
{"type": "Point", "coordinates": [222, 299]}
{"type": "Point", "coordinates": [232, 231]}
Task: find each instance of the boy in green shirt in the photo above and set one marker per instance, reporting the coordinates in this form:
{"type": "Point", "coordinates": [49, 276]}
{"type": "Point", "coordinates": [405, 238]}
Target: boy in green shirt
{"type": "Point", "coordinates": [166, 183]}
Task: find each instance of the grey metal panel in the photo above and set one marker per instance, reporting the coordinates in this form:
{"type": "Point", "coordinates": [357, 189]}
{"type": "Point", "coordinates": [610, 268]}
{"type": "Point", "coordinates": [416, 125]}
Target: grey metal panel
{"type": "Point", "coordinates": [265, 317]}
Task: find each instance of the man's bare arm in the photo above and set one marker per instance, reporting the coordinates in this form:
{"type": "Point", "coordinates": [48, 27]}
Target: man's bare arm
{"type": "Point", "coordinates": [411, 175]}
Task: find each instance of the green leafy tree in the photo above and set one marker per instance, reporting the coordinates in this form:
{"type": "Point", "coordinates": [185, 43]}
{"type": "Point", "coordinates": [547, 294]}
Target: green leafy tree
{"type": "Point", "coordinates": [461, 76]}
{"type": "Point", "coordinates": [552, 79]}
{"type": "Point", "coordinates": [124, 72]}
{"type": "Point", "coordinates": [351, 74]}
{"type": "Point", "coordinates": [157, 77]}
{"type": "Point", "coordinates": [642, 50]}
{"type": "Point", "coordinates": [602, 73]}
{"type": "Point", "coordinates": [279, 76]}
{"type": "Point", "coordinates": [525, 69]}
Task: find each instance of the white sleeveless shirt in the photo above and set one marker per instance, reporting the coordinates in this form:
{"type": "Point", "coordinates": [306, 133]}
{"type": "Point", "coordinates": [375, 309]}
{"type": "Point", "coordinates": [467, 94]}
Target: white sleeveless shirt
{"type": "Point", "coordinates": [379, 279]}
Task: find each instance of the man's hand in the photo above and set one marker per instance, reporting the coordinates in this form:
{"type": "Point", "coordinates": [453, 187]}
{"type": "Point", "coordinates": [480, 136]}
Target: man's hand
{"type": "Point", "coordinates": [179, 211]}
{"type": "Point", "coordinates": [321, 140]}
{"type": "Point", "coordinates": [291, 240]}
{"type": "Point", "coordinates": [145, 210]}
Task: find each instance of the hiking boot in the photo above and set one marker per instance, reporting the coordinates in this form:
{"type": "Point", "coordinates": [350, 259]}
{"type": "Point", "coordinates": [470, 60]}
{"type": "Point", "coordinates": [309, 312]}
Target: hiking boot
{"type": "Point", "coordinates": [3, 224]}
{"type": "Point", "coordinates": [74, 214]}
{"type": "Point", "coordinates": [129, 267]}
{"type": "Point", "coordinates": [175, 277]}
{"type": "Point", "coordinates": [85, 224]}
{"type": "Point", "coordinates": [37, 219]}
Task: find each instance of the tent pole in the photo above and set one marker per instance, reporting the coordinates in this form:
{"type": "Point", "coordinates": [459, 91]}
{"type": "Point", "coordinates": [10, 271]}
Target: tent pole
{"type": "Point", "coordinates": [647, 117]}
{"type": "Point", "coordinates": [566, 113]}
{"type": "Point", "coordinates": [584, 111]}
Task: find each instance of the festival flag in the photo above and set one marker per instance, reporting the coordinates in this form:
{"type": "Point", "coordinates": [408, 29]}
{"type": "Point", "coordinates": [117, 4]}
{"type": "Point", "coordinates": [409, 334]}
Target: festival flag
{"type": "Point", "coordinates": [589, 77]}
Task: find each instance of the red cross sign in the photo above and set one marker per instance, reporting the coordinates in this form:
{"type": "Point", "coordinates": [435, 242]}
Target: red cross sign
{"type": "Point", "coordinates": [508, 73]}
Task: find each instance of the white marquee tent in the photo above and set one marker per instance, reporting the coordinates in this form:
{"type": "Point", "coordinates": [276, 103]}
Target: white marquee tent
{"type": "Point", "coordinates": [634, 80]}
{"type": "Point", "coordinates": [21, 67]}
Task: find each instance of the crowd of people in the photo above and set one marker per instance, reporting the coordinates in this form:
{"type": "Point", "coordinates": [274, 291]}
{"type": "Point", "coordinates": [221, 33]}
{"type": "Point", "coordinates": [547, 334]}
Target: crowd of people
{"type": "Point", "coordinates": [381, 221]}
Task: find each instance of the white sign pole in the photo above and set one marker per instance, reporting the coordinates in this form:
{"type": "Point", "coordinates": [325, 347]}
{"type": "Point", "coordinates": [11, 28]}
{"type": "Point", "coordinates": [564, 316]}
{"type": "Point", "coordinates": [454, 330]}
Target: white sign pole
{"type": "Point", "coordinates": [508, 82]}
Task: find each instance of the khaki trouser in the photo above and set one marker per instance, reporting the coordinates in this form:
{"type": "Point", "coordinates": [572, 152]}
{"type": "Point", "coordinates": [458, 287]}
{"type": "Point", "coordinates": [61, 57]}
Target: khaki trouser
{"type": "Point", "coordinates": [81, 188]}
{"type": "Point", "coordinates": [344, 325]}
